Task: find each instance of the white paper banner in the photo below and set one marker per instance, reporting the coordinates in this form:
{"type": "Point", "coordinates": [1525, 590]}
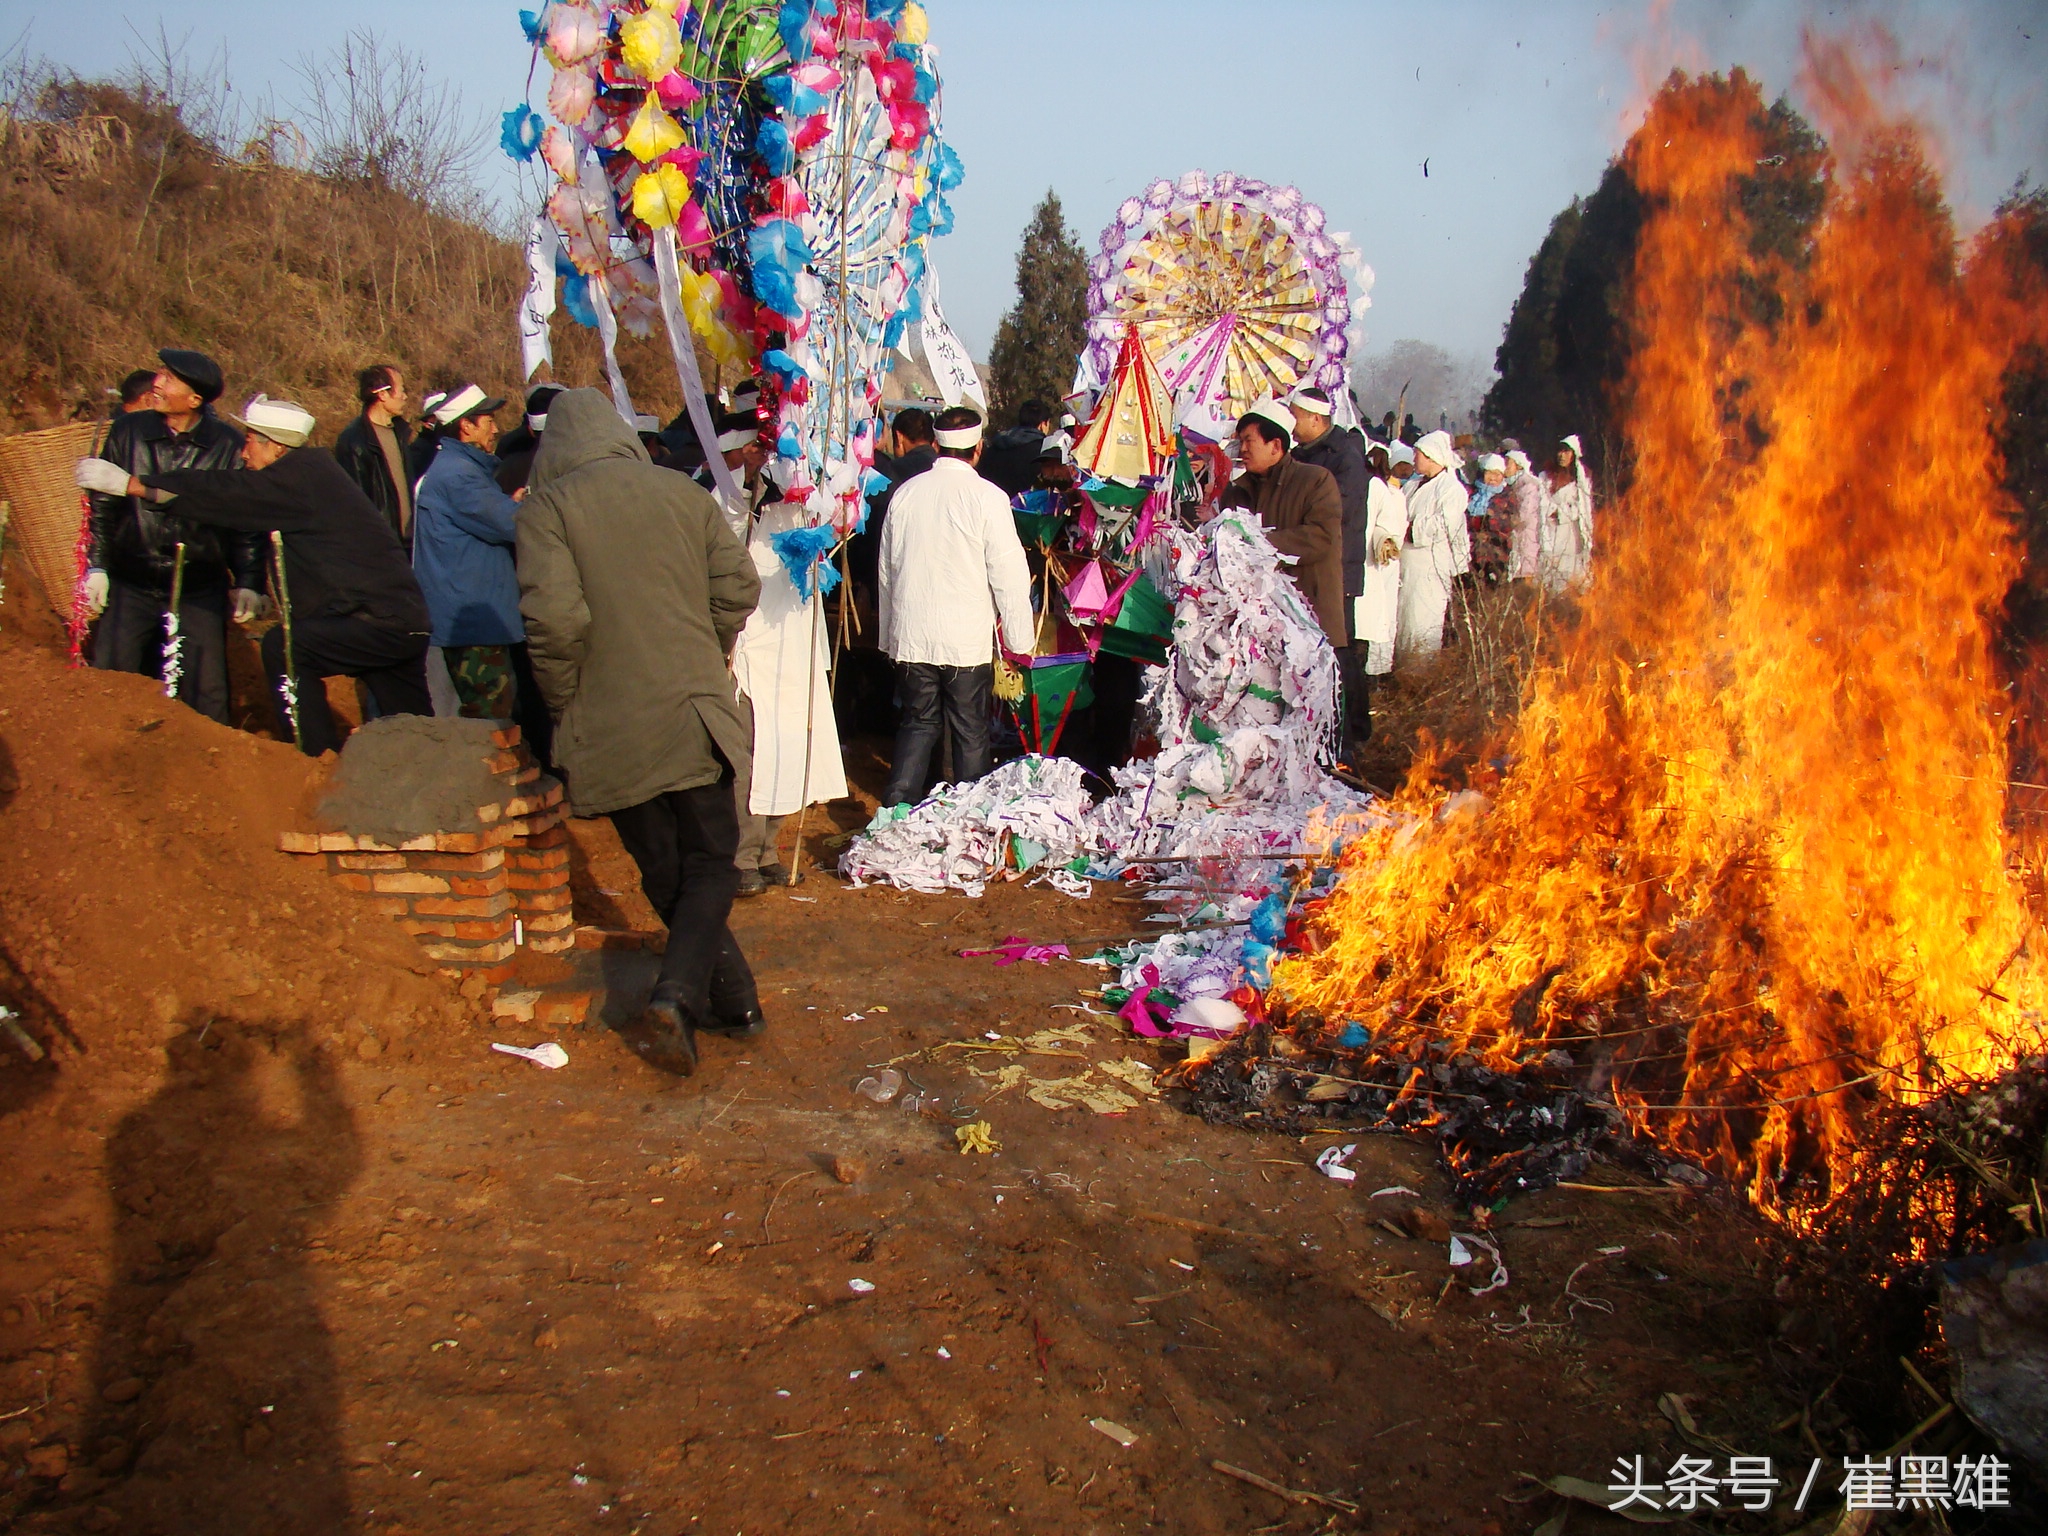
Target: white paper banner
{"type": "Point", "coordinates": [608, 330]}
{"type": "Point", "coordinates": [536, 346]}
{"type": "Point", "coordinates": [952, 370]}
{"type": "Point", "coordinates": [684, 349]}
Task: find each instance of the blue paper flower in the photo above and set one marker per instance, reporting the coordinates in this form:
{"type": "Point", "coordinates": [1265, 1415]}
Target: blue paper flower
{"type": "Point", "coordinates": [782, 365]}
{"type": "Point", "coordinates": [778, 253]}
{"type": "Point", "coordinates": [803, 553]}
{"type": "Point", "coordinates": [529, 23]}
{"type": "Point", "coordinates": [1354, 1036]}
{"type": "Point", "coordinates": [1269, 918]}
{"type": "Point", "coordinates": [787, 446]}
{"type": "Point", "coordinates": [950, 170]}
{"type": "Point", "coordinates": [576, 300]}
{"type": "Point", "coordinates": [927, 87]}
{"type": "Point", "coordinates": [519, 134]}
{"type": "Point", "coordinates": [794, 24]}
{"type": "Point", "coordinates": [794, 99]}
{"type": "Point", "coordinates": [772, 144]}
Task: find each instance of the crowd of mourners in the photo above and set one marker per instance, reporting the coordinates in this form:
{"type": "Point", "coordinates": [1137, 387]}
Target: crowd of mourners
{"type": "Point", "coordinates": [621, 590]}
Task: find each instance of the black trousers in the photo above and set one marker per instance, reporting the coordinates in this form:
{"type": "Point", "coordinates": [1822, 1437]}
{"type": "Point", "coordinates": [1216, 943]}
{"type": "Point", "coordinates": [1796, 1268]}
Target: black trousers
{"type": "Point", "coordinates": [684, 842]}
{"type": "Point", "coordinates": [923, 691]}
{"type": "Point", "coordinates": [393, 665]}
{"type": "Point", "coordinates": [131, 639]}
{"type": "Point", "coordinates": [1357, 688]}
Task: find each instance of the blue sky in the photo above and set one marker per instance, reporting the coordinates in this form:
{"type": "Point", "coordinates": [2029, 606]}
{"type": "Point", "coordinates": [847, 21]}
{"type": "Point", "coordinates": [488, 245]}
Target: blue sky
{"type": "Point", "coordinates": [1515, 107]}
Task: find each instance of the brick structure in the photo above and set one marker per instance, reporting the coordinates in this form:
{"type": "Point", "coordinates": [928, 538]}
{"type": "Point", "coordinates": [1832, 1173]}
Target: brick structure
{"type": "Point", "coordinates": [468, 897]}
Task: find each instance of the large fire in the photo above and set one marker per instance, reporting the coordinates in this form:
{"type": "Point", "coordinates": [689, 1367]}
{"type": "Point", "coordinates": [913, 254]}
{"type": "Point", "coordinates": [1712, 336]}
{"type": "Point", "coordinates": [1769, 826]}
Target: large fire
{"type": "Point", "coordinates": [1748, 861]}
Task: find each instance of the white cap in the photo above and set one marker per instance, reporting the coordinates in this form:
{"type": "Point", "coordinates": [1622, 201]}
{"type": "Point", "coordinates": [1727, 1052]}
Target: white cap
{"type": "Point", "coordinates": [281, 421]}
{"type": "Point", "coordinates": [1314, 401]}
{"type": "Point", "coordinates": [1519, 459]}
{"type": "Point", "coordinates": [1055, 447]}
{"type": "Point", "coordinates": [737, 438]}
{"type": "Point", "coordinates": [466, 401]}
{"type": "Point", "coordinates": [1571, 441]}
{"type": "Point", "coordinates": [1436, 446]}
{"type": "Point", "coordinates": [1493, 461]}
{"type": "Point", "coordinates": [646, 424]}
{"type": "Point", "coordinates": [1399, 452]}
{"type": "Point", "coordinates": [960, 439]}
{"type": "Point", "coordinates": [1272, 410]}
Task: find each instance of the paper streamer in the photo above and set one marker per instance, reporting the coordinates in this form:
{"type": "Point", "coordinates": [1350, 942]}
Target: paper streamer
{"type": "Point", "coordinates": [683, 348]}
{"type": "Point", "coordinates": [951, 368]}
{"type": "Point", "coordinates": [536, 346]}
{"type": "Point", "coordinates": [608, 329]}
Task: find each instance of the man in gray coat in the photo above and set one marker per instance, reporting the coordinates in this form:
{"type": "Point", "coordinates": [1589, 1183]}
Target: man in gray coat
{"type": "Point", "coordinates": [634, 589]}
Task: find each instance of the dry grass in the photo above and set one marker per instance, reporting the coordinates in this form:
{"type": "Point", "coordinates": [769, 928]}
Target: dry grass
{"type": "Point", "coordinates": [121, 230]}
{"type": "Point", "coordinates": [1449, 709]}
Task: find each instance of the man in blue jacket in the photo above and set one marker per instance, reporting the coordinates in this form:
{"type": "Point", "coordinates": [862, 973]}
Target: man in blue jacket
{"type": "Point", "coordinates": [464, 531]}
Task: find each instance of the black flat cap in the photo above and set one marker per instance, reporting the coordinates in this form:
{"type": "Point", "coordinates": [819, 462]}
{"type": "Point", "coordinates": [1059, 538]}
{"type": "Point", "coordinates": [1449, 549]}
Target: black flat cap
{"type": "Point", "coordinates": [196, 369]}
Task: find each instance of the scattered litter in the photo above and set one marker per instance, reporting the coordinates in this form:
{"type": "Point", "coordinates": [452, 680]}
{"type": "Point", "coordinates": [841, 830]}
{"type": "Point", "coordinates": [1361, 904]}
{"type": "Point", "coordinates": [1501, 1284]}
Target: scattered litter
{"type": "Point", "coordinates": [812, 900]}
{"type": "Point", "coordinates": [1176, 1263]}
{"type": "Point", "coordinates": [882, 1087]}
{"type": "Point", "coordinates": [990, 1034]}
{"type": "Point", "coordinates": [1397, 1189]}
{"type": "Point", "coordinates": [1014, 949]}
{"type": "Point", "coordinates": [782, 1391]}
{"type": "Point", "coordinates": [549, 1055]}
{"type": "Point", "coordinates": [853, 1375]}
{"type": "Point", "coordinates": [853, 1018]}
{"type": "Point", "coordinates": [440, 1344]}
{"type": "Point", "coordinates": [1123, 1437]}
{"type": "Point", "coordinates": [1459, 1240]}
{"type": "Point", "coordinates": [1611, 1252]}
{"type": "Point", "coordinates": [1134, 1073]}
{"type": "Point", "coordinates": [860, 1287]}
{"type": "Point", "coordinates": [878, 1008]}
{"type": "Point", "coordinates": [945, 1353]}
{"type": "Point", "coordinates": [1331, 1162]}
{"type": "Point", "coordinates": [977, 1136]}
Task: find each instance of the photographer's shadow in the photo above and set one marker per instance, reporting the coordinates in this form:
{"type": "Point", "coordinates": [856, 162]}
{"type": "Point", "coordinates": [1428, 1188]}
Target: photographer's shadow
{"type": "Point", "coordinates": [217, 1404]}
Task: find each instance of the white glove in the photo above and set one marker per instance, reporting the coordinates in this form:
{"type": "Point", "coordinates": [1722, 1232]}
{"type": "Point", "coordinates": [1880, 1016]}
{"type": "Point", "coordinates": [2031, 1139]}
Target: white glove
{"type": "Point", "coordinates": [99, 475]}
{"type": "Point", "coordinates": [94, 588]}
{"type": "Point", "coordinates": [247, 604]}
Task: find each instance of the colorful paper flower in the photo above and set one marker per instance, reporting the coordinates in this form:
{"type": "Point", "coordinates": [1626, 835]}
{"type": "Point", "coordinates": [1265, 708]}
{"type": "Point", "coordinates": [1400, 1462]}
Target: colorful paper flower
{"type": "Point", "coordinates": [574, 34]}
{"type": "Point", "coordinates": [660, 195]}
{"type": "Point", "coordinates": [653, 134]}
{"type": "Point", "coordinates": [570, 95]}
{"type": "Point", "coordinates": [649, 44]}
{"type": "Point", "coordinates": [519, 132]}
{"type": "Point", "coordinates": [559, 151]}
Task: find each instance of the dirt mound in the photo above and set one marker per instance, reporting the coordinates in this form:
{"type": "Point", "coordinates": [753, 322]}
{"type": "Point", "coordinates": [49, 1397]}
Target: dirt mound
{"type": "Point", "coordinates": [141, 888]}
{"type": "Point", "coordinates": [412, 775]}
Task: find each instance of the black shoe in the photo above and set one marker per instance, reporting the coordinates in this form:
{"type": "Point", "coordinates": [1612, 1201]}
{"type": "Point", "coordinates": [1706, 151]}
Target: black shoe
{"type": "Point", "coordinates": [665, 1037]}
{"type": "Point", "coordinates": [751, 883]}
{"type": "Point", "coordinates": [738, 1024]}
{"type": "Point", "coordinates": [778, 873]}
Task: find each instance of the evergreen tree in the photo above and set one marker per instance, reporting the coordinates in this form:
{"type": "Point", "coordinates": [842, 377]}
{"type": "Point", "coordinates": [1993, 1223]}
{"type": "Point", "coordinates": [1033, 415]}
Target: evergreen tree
{"type": "Point", "coordinates": [1567, 343]}
{"type": "Point", "coordinates": [1039, 342]}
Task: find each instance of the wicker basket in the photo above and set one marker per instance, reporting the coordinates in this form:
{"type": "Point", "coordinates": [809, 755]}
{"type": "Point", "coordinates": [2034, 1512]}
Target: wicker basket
{"type": "Point", "coordinates": [36, 479]}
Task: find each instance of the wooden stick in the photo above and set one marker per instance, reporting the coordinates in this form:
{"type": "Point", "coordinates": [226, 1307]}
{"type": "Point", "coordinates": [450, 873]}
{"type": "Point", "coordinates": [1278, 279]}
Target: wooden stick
{"type": "Point", "coordinates": [1280, 1490]}
{"type": "Point", "coordinates": [1621, 1189]}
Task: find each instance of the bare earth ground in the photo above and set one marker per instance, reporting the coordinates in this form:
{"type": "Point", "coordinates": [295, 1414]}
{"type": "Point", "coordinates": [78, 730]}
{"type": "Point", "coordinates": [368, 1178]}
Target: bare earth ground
{"type": "Point", "coordinates": [287, 1248]}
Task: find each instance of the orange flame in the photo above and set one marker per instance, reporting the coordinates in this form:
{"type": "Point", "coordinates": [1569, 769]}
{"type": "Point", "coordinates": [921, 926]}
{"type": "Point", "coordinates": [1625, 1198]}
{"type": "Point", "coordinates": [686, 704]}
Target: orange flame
{"type": "Point", "coordinates": [1750, 861]}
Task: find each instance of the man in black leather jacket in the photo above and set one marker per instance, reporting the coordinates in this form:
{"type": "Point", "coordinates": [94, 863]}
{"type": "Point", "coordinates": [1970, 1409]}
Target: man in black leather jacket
{"type": "Point", "coordinates": [133, 544]}
{"type": "Point", "coordinates": [376, 448]}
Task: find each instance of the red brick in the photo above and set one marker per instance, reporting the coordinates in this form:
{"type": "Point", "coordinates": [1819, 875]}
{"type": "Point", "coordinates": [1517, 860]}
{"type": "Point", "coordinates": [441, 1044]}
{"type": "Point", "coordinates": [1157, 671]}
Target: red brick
{"type": "Point", "coordinates": [409, 883]}
{"type": "Point", "coordinates": [457, 863]}
{"type": "Point", "coordinates": [563, 1007]}
{"type": "Point", "coordinates": [366, 861]}
{"type": "Point", "coordinates": [299, 842]}
{"type": "Point", "coordinates": [462, 906]}
{"type": "Point", "coordinates": [527, 775]}
{"type": "Point", "coordinates": [466, 842]}
{"type": "Point", "coordinates": [551, 866]}
{"type": "Point", "coordinates": [354, 882]}
{"type": "Point", "coordinates": [467, 952]}
{"type": "Point", "coordinates": [506, 736]}
{"type": "Point", "coordinates": [550, 943]}
{"type": "Point", "coordinates": [556, 836]}
{"type": "Point", "coordinates": [489, 813]}
{"type": "Point", "coordinates": [543, 901]}
{"type": "Point", "coordinates": [553, 880]}
{"type": "Point", "coordinates": [390, 906]}
{"type": "Point", "coordinates": [492, 884]}
{"type": "Point", "coordinates": [549, 922]}
{"type": "Point", "coordinates": [505, 762]}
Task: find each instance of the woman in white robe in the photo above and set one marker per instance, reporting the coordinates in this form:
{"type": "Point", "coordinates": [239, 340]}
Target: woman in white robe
{"type": "Point", "coordinates": [1375, 612]}
{"type": "Point", "coordinates": [1439, 548]}
{"type": "Point", "coordinates": [1565, 546]}
{"type": "Point", "coordinates": [782, 665]}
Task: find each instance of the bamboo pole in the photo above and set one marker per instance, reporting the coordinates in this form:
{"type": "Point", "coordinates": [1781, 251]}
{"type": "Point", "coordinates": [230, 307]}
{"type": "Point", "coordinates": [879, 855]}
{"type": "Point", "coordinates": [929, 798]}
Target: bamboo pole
{"type": "Point", "coordinates": [284, 608]}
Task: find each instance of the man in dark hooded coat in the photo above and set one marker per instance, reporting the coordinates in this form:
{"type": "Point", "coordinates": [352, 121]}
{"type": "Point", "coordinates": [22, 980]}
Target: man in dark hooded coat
{"type": "Point", "coordinates": [634, 589]}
